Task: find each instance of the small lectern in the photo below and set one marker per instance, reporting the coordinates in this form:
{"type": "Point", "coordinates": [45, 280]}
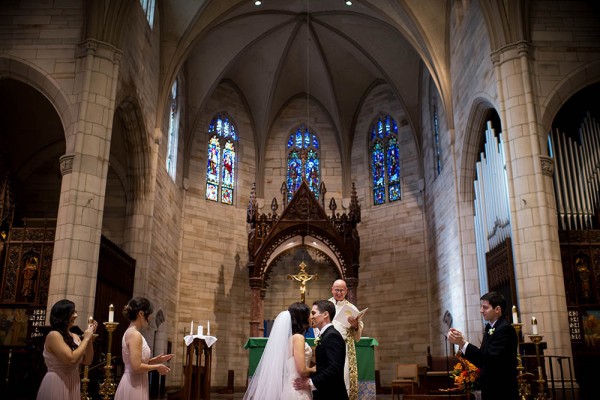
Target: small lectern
{"type": "Point", "coordinates": [197, 373]}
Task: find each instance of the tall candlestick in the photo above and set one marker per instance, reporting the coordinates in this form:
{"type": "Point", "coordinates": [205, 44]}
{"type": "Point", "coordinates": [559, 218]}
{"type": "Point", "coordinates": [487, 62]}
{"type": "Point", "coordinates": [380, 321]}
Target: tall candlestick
{"type": "Point", "coordinates": [111, 313]}
{"type": "Point", "coordinates": [192, 327]}
{"type": "Point", "coordinates": [534, 326]}
{"type": "Point", "coordinates": [515, 315]}
{"type": "Point", "coordinates": [207, 328]}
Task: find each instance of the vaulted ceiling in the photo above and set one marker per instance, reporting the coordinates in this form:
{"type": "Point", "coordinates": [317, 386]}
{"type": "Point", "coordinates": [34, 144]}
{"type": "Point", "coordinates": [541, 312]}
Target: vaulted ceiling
{"type": "Point", "coordinates": [323, 49]}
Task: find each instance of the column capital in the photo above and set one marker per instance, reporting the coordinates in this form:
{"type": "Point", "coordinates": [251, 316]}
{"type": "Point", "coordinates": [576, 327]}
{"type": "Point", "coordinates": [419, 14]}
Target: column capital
{"type": "Point", "coordinates": [547, 165]}
{"type": "Point", "coordinates": [66, 163]}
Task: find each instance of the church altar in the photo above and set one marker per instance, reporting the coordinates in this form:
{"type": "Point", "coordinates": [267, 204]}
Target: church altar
{"type": "Point", "coordinates": [365, 359]}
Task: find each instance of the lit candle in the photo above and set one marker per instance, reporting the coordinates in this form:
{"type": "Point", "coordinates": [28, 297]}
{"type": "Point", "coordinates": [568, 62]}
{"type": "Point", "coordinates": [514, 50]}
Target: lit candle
{"type": "Point", "coordinates": [534, 325]}
{"type": "Point", "coordinates": [111, 313]}
{"type": "Point", "coordinates": [200, 330]}
{"type": "Point", "coordinates": [207, 328]}
{"type": "Point", "coordinates": [515, 315]}
{"type": "Point", "coordinates": [192, 327]}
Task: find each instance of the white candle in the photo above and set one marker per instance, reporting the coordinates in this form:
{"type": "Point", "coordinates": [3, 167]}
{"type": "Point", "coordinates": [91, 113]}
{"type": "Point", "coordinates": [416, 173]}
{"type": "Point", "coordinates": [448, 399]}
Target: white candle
{"type": "Point", "coordinates": [207, 328]}
{"type": "Point", "coordinates": [192, 327]}
{"type": "Point", "coordinates": [515, 315]}
{"type": "Point", "coordinates": [111, 313]}
{"type": "Point", "coordinates": [200, 330]}
{"type": "Point", "coordinates": [534, 325]}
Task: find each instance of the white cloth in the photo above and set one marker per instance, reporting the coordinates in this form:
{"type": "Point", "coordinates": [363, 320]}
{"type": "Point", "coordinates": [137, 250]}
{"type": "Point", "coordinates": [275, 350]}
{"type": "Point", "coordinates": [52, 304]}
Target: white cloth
{"type": "Point", "coordinates": [276, 370]}
{"type": "Point", "coordinates": [291, 373]}
{"type": "Point", "coordinates": [210, 340]}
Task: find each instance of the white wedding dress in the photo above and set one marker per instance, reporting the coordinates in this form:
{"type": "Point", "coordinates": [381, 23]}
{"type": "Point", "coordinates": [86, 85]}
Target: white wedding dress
{"type": "Point", "coordinates": [274, 376]}
{"type": "Point", "coordinates": [289, 393]}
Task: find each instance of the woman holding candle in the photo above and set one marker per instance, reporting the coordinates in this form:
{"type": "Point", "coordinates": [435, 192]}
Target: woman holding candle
{"type": "Point", "coordinates": [136, 353]}
{"type": "Point", "coordinates": [63, 352]}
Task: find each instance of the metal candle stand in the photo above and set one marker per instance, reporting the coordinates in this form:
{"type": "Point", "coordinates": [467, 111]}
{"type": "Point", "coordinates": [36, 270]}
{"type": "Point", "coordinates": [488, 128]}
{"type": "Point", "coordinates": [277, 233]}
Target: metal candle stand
{"type": "Point", "coordinates": [108, 387]}
{"type": "Point", "coordinates": [524, 388]}
{"type": "Point", "coordinates": [537, 339]}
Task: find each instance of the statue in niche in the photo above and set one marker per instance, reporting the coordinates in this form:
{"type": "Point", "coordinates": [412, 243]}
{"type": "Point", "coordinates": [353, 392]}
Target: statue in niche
{"type": "Point", "coordinates": [29, 273]}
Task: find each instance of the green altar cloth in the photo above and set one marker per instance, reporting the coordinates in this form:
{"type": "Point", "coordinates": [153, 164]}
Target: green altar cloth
{"type": "Point", "coordinates": [365, 359]}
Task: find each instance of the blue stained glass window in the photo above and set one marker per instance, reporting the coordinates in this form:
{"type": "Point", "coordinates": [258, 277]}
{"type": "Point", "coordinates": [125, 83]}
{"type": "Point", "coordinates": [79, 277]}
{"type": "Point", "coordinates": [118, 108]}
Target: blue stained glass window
{"type": "Point", "coordinates": [385, 161]}
{"type": "Point", "coordinates": [221, 161]}
{"type": "Point", "coordinates": [303, 161]}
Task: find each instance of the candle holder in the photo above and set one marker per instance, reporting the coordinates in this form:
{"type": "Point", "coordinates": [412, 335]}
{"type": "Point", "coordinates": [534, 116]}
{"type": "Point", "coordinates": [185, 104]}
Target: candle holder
{"type": "Point", "coordinates": [84, 383]}
{"type": "Point", "coordinates": [108, 387]}
{"type": "Point", "coordinates": [524, 387]}
{"type": "Point", "coordinates": [537, 339]}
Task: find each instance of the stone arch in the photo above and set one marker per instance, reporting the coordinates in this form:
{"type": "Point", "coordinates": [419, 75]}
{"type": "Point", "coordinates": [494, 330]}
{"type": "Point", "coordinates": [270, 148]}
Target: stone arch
{"type": "Point", "coordinates": [470, 146]}
{"type": "Point", "coordinates": [137, 145]}
{"type": "Point", "coordinates": [567, 87]}
{"type": "Point", "coordinates": [12, 67]}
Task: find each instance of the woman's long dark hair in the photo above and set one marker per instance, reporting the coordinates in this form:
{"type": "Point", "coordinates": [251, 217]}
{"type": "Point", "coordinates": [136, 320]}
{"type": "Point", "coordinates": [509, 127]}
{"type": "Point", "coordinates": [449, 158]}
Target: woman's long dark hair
{"type": "Point", "coordinates": [60, 315]}
{"type": "Point", "coordinates": [135, 305]}
{"type": "Point", "coordinates": [300, 313]}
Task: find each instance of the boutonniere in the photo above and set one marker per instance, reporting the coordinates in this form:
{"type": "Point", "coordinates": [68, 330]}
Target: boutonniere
{"type": "Point", "coordinates": [491, 331]}
{"type": "Point", "coordinates": [317, 341]}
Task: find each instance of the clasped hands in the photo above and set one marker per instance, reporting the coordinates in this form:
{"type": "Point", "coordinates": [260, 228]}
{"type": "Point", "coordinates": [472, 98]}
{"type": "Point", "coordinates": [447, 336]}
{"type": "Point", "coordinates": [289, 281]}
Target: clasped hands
{"type": "Point", "coordinates": [456, 337]}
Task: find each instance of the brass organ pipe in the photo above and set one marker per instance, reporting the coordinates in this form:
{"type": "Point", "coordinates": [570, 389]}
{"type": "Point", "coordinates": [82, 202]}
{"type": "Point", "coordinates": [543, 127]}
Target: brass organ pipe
{"type": "Point", "coordinates": [585, 180]}
{"type": "Point", "coordinates": [587, 167]}
{"type": "Point", "coordinates": [582, 192]}
{"type": "Point", "coordinates": [574, 183]}
{"type": "Point", "coordinates": [595, 135]}
{"type": "Point", "coordinates": [560, 208]}
{"type": "Point", "coordinates": [571, 197]}
{"type": "Point", "coordinates": [563, 174]}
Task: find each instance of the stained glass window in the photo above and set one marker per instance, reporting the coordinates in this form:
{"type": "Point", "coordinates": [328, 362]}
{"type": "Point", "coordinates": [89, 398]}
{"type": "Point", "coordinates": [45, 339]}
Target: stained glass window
{"type": "Point", "coordinates": [148, 7]}
{"type": "Point", "coordinates": [173, 138]}
{"type": "Point", "coordinates": [303, 161]}
{"type": "Point", "coordinates": [221, 160]}
{"type": "Point", "coordinates": [385, 160]}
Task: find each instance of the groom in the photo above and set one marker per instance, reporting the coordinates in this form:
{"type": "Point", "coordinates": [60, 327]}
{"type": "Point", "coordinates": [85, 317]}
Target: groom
{"type": "Point", "coordinates": [328, 381]}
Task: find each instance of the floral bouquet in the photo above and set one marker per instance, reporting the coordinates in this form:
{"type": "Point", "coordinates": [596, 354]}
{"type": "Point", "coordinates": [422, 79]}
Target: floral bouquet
{"type": "Point", "coordinates": [465, 376]}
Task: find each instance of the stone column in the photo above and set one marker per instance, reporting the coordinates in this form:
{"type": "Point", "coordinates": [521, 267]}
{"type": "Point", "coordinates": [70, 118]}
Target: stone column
{"type": "Point", "coordinates": [256, 308]}
{"type": "Point", "coordinates": [84, 169]}
{"type": "Point", "coordinates": [538, 266]}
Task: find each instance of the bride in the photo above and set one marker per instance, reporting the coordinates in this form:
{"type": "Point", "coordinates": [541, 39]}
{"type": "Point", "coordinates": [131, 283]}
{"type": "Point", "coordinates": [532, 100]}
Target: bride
{"type": "Point", "coordinates": [286, 357]}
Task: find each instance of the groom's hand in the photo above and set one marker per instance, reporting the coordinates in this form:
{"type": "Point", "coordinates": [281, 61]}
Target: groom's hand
{"type": "Point", "coordinates": [301, 383]}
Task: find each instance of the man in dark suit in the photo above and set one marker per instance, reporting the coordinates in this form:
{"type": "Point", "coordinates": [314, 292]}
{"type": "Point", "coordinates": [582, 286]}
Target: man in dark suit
{"type": "Point", "coordinates": [497, 356]}
{"type": "Point", "coordinates": [328, 381]}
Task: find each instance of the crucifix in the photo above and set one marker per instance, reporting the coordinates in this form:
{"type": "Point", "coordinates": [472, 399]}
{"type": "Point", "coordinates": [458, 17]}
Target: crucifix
{"type": "Point", "coordinates": [303, 277]}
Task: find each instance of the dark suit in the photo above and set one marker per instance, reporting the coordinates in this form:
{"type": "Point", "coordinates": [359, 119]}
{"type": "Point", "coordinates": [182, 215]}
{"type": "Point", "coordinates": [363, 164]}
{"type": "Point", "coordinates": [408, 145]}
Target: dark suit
{"type": "Point", "coordinates": [497, 360]}
{"type": "Point", "coordinates": [329, 378]}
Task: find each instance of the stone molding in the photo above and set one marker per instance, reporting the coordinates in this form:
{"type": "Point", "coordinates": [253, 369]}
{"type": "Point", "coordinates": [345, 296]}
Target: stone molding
{"type": "Point", "coordinates": [66, 163]}
{"type": "Point", "coordinates": [97, 48]}
{"type": "Point", "coordinates": [547, 165]}
{"type": "Point", "coordinates": [510, 52]}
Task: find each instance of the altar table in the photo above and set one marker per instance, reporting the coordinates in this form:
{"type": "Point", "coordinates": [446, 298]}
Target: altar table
{"type": "Point", "coordinates": [365, 359]}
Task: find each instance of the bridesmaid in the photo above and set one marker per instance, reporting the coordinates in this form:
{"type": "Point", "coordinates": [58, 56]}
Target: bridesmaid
{"type": "Point", "coordinates": [136, 353]}
{"type": "Point", "coordinates": [63, 352]}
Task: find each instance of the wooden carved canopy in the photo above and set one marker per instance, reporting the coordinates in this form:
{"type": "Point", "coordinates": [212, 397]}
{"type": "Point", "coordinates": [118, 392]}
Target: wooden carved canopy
{"type": "Point", "coordinates": [303, 216]}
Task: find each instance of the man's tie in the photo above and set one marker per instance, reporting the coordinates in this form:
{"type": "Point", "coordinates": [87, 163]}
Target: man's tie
{"type": "Point", "coordinates": [487, 327]}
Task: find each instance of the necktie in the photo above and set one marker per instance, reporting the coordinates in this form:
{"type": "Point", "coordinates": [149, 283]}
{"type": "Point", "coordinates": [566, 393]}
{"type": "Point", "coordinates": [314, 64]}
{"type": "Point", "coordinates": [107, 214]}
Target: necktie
{"type": "Point", "coordinates": [487, 328]}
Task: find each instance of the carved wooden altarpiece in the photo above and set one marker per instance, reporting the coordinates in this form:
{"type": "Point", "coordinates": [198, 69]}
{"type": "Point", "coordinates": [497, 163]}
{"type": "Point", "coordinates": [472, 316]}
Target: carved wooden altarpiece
{"type": "Point", "coordinates": [303, 216]}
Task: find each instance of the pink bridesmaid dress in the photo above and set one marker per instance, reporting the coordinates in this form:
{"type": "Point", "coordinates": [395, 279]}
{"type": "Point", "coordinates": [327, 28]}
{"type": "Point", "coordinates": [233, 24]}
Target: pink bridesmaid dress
{"type": "Point", "coordinates": [62, 380]}
{"type": "Point", "coordinates": [134, 385]}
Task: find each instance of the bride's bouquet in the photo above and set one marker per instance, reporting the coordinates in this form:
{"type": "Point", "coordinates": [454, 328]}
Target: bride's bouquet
{"type": "Point", "coordinates": [465, 376]}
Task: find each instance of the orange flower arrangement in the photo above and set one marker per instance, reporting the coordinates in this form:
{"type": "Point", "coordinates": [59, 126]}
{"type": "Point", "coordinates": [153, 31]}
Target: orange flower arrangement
{"type": "Point", "coordinates": [465, 375]}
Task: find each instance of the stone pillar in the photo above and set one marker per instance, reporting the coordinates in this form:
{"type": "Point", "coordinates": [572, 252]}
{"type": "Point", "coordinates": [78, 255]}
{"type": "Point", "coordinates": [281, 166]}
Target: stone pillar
{"type": "Point", "coordinates": [256, 308]}
{"type": "Point", "coordinates": [538, 266]}
{"type": "Point", "coordinates": [84, 169]}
